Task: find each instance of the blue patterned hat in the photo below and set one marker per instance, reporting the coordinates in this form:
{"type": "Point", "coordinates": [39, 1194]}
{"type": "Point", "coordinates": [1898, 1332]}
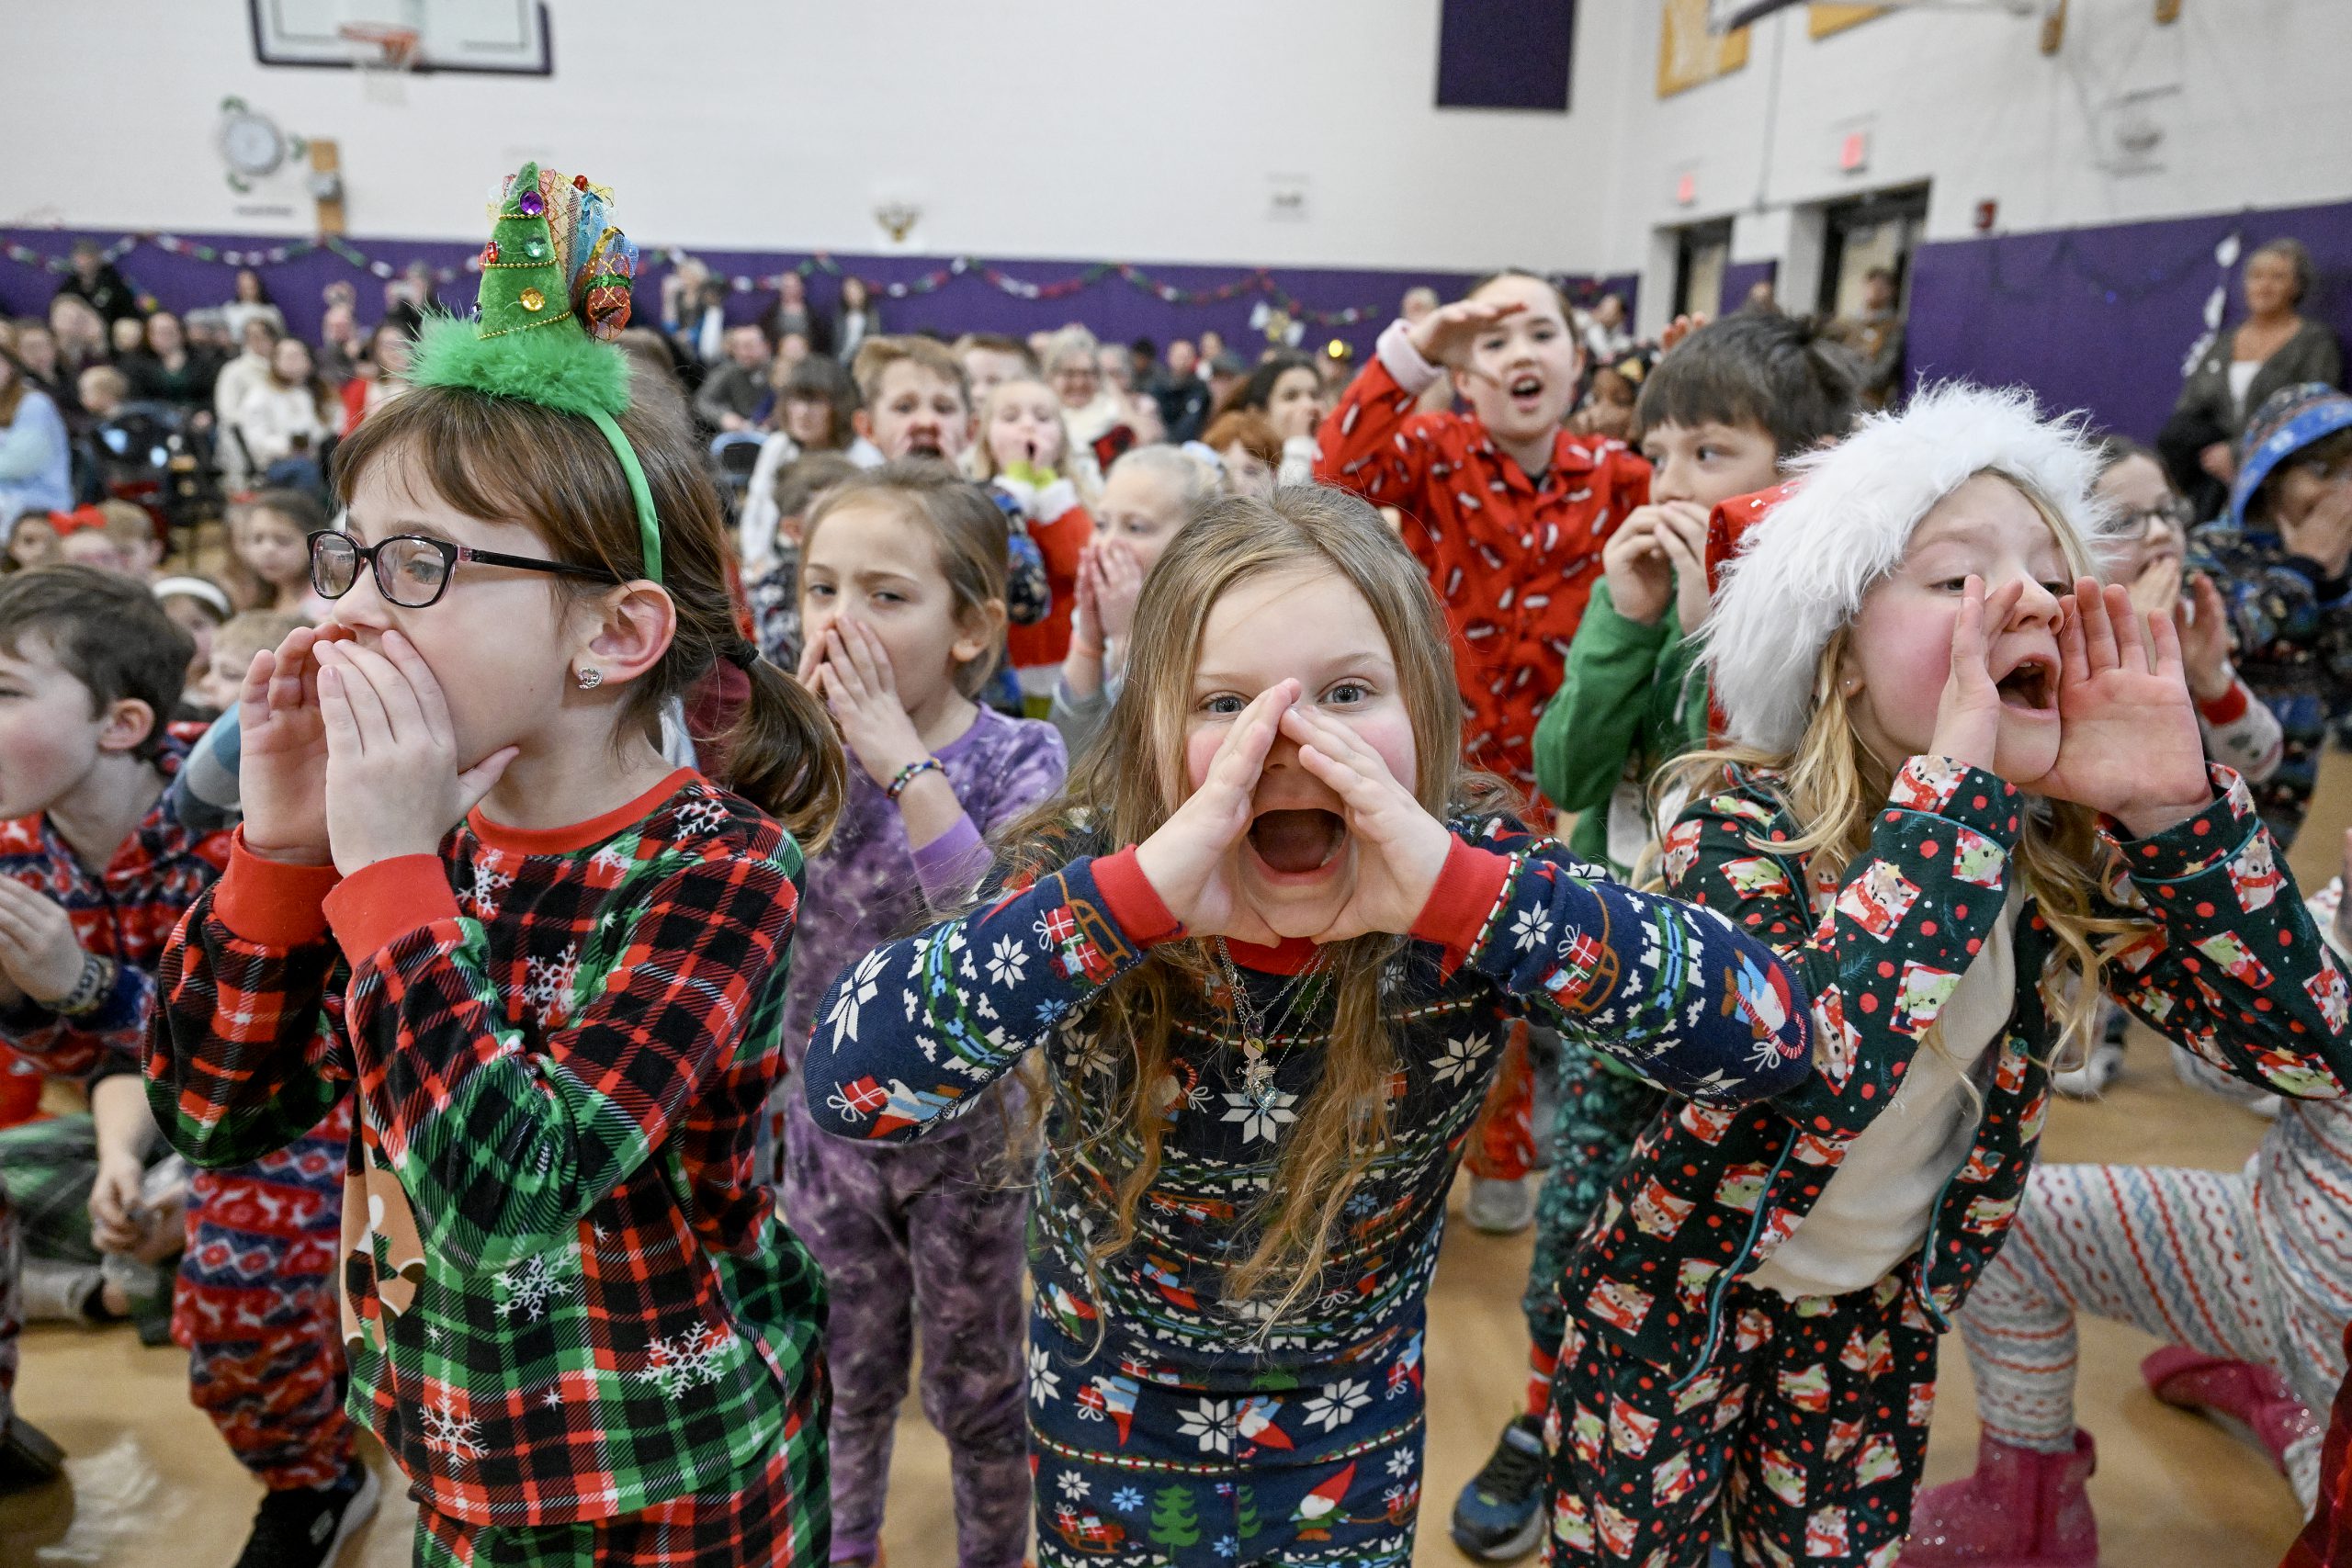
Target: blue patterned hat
{"type": "Point", "coordinates": [2289, 419]}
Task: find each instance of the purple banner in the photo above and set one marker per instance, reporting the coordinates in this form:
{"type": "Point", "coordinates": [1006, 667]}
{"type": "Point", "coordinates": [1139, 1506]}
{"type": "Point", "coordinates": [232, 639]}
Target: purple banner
{"type": "Point", "coordinates": [1505, 54]}
{"type": "Point", "coordinates": [2103, 318]}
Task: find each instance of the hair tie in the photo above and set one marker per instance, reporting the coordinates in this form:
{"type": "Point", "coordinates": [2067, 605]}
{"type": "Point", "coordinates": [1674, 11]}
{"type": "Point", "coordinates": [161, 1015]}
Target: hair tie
{"type": "Point", "coordinates": [742, 654]}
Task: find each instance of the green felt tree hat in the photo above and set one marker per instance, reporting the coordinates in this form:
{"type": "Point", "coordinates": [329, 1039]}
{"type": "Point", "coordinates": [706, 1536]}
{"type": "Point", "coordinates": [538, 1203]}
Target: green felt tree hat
{"type": "Point", "coordinates": [555, 295]}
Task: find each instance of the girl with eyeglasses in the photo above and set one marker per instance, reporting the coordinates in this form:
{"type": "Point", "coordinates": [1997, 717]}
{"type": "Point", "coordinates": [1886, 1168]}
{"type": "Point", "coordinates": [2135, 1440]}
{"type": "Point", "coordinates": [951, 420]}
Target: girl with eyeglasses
{"type": "Point", "coordinates": [471, 892]}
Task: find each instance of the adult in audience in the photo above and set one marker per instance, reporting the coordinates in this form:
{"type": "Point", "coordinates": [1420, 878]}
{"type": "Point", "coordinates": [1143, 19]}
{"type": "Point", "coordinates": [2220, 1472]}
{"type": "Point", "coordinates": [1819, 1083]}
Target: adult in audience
{"type": "Point", "coordinates": [1074, 369]}
{"type": "Point", "coordinates": [793, 313]}
{"type": "Point", "coordinates": [207, 330]}
{"type": "Point", "coordinates": [1877, 337]}
{"type": "Point", "coordinates": [80, 334]}
{"type": "Point", "coordinates": [97, 283]}
{"type": "Point", "coordinates": [1118, 368]}
{"type": "Point", "coordinates": [1418, 302]}
{"type": "Point", "coordinates": [248, 370]}
{"type": "Point", "coordinates": [731, 394]}
{"type": "Point", "coordinates": [411, 297]}
{"type": "Point", "coordinates": [343, 347]}
{"type": "Point", "coordinates": [1226, 373]}
{"type": "Point", "coordinates": [124, 335]}
{"type": "Point", "coordinates": [2275, 347]}
{"type": "Point", "coordinates": [251, 302]}
{"type": "Point", "coordinates": [1605, 330]}
{"type": "Point", "coordinates": [35, 350]}
{"type": "Point", "coordinates": [1183, 397]}
{"type": "Point", "coordinates": [381, 374]}
{"type": "Point", "coordinates": [36, 469]}
{"type": "Point", "coordinates": [283, 420]}
{"type": "Point", "coordinates": [860, 318]}
{"type": "Point", "coordinates": [165, 369]}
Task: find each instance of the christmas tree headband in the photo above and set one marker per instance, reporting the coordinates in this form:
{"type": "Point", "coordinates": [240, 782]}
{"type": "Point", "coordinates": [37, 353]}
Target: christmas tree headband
{"type": "Point", "coordinates": [555, 295]}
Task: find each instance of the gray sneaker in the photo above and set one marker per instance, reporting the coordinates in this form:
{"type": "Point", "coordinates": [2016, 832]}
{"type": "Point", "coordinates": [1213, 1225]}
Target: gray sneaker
{"type": "Point", "coordinates": [1500, 1207]}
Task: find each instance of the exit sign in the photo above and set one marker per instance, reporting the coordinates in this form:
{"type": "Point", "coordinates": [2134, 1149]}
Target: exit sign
{"type": "Point", "coordinates": [1686, 189]}
{"type": "Point", "coordinates": [1854, 152]}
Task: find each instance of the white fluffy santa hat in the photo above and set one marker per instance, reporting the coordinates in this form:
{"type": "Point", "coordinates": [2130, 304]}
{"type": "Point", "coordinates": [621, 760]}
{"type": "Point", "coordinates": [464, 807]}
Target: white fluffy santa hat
{"type": "Point", "coordinates": [1802, 571]}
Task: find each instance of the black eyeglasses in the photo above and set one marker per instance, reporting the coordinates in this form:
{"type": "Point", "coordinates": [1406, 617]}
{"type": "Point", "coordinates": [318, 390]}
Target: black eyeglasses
{"type": "Point", "coordinates": [410, 571]}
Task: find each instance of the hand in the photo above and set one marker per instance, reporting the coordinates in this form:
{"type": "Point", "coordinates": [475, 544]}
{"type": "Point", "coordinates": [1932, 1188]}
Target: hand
{"type": "Point", "coordinates": [2325, 532]}
{"type": "Point", "coordinates": [1400, 848]}
{"type": "Point", "coordinates": [1678, 329]}
{"type": "Point", "coordinates": [1640, 580]}
{"type": "Point", "coordinates": [282, 772]}
{"type": "Point", "coordinates": [1086, 634]}
{"type": "Point", "coordinates": [1190, 861]}
{"type": "Point", "coordinates": [1968, 714]}
{"type": "Point", "coordinates": [733, 422]}
{"type": "Point", "coordinates": [1118, 583]}
{"type": "Point", "coordinates": [393, 786]}
{"type": "Point", "coordinates": [2219, 461]}
{"type": "Point", "coordinates": [1447, 335]}
{"type": "Point", "coordinates": [2203, 626]}
{"type": "Point", "coordinates": [861, 691]}
{"type": "Point", "coordinates": [38, 947]}
{"type": "Point", "coordinates": [117, 1224]}
{"type": "Point", "coordinates": [2128, 743]}
{"type": "Point", "coordinates": [2159, 585]}
{"type": "Point", "coordinates": [1683, 536]}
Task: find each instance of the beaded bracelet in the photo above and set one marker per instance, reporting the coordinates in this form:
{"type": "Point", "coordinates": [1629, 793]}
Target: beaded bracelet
{"type": "Point", "coordinates": [90, 988]}
{"type": "Point", "coordinates": [912, 771]}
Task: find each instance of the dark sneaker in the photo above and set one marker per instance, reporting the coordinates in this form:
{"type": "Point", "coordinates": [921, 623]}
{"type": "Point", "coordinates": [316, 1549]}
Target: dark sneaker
{"type": "Point", "coordinates": [29, 1456]}
{"type": "Point", "coordinates": [1499, 1516]}
{"type": "Point", "coordinates": [305, 1527]}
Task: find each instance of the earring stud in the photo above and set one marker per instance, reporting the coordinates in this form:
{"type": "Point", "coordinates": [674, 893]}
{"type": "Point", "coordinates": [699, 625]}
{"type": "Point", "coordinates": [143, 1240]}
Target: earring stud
{"type": "Point", "coordinates": [591, 678]}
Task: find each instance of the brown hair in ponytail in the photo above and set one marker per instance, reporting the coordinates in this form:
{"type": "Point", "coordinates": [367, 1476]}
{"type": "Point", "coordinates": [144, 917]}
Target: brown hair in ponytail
{"type": "Point", "coordinates": [502, 460]}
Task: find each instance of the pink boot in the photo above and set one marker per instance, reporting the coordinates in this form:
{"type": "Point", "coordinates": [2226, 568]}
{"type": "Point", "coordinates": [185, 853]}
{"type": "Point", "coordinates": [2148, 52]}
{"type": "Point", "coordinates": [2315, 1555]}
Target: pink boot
{"type": "Point", "coordinates": [2021, 1509]}
{"type": "Point", "coordinates": [2248, 1399]}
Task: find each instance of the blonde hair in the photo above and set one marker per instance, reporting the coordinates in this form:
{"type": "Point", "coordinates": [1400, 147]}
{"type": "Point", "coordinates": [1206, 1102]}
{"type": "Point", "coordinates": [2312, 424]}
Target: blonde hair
{"type": "Point", "coordinates": [1122, 789]}
{"type": "Point", "coordinates": [983, 456]}
{"type": "Point", "coordinates": [247, 632]}
{"type": "Point", "coordinates": [1836, 788]}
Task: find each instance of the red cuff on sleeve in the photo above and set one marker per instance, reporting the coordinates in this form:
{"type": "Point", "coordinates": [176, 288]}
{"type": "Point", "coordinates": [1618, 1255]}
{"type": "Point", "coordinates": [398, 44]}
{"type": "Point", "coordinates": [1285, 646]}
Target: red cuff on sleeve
{"type": "Point", "coordinates": [1467, 886]}
{"type": "Point", "coordinates": [271, 902]}
{"type": "Point", "coordinates": [390, 899]}
{"type": "Point", "coordinates": [1132, 901]}
{"type": "Point", "coordinates": [2229, 707]}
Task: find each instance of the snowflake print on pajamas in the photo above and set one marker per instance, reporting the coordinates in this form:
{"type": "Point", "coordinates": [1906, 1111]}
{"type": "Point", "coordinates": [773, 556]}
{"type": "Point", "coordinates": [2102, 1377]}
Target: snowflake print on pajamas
{"type": "Point", "coordinates": [1045, 1383]}
{"type": "Point", "coordinates": [447, 1432]}
{"type": "Point", "coordinates": [688, 1361]}
{"type": "Point", "coordinates": [529, 1286]}
{"type": "Point", "coordinates": [1337, 1405]}
{"type": "Point", "coordinates": [1008, 961]}
{"type": "Point", "coordinates": [864, 985]}
{"type": "Point", "coordinates": [1211, 1422]}
{"type": "Point", "coordinates": [548, 983]}
{"type": "Point", "coordinates": [1263, 1114]}
{"type": "Point", "coordinates": [1462, 1057]}
{"type": "Point", "coordinates": [1530, 929]}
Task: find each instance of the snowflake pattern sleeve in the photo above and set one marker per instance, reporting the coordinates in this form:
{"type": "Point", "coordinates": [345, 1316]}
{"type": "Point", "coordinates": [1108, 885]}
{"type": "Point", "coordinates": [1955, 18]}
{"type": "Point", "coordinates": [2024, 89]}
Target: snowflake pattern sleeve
{"type": "Point", "coordinates": [912, 1033]}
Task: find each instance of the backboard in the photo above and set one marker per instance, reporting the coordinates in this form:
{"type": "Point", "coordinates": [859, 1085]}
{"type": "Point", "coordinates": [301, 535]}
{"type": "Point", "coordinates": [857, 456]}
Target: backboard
{"type": "Point", "coordinates": [500, 37]}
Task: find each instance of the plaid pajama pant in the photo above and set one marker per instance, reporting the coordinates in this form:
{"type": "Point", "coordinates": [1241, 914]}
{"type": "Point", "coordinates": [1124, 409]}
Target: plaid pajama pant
{"type": "Point", "coordinates": [752, 1521]}
{"type": "Point", "coordinates": [2177, 1253]}
{"type": "Point", "coordinates": [1810, 1421]}
{"type": "Point", "coordinates": [257, 1310]}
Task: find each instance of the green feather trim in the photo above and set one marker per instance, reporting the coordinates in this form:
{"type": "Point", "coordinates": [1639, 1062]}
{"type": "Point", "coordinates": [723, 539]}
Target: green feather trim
{"type": "Point", "coordinates": [557, 365]}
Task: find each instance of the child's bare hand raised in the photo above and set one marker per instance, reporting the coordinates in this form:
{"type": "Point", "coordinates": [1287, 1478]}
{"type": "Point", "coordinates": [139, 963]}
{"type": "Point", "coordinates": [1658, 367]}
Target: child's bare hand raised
{"type": "Point", "coordinates": [2128, 743]}
{"type": "Point", "coordinates": [1968, 714]}
{"type": "Point", "coordinates": [1118, 583]}
{"type": "Point", "coordinates": [1447, 335]}
{"type": "Point", "coordinates": [2204, 628]}
{"type": "Point", "coordinates": [1400, 847]}
{"type": "Point", "coordinates": [1189, 860]}
{"type": "Point", "coordinates": [1656, 557]}
{"type": "Point", "coordinates": [282, 769]}
{"type": "Point", "coordinates": [38, 947]}
{"type": "Point", "coordinates": [861, 691]}
{"type": "Point", "coordinates": [393, 785]}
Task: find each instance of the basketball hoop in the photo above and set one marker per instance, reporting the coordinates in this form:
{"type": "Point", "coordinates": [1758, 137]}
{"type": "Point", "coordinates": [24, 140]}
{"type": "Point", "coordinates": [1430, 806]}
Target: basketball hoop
{"type": "Point", "coordinates": [380, 47]}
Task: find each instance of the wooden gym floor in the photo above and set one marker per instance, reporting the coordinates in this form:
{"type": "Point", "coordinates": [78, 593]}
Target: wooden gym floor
{"type": "Point", "coordinates": [150, 1485]}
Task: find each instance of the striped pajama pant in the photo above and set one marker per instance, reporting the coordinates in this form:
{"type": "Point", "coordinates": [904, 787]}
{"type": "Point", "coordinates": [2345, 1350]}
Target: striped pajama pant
{"type": "Point", "coordinates": [2187, 1255]}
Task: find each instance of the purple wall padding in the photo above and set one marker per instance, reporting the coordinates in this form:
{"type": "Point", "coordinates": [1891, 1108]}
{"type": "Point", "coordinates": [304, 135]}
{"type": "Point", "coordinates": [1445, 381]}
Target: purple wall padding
{"type": "Point", "coordinates": [1741, 276]}
{"type": "Point", "coordinates": [2103, 318]}
{"type": "Point", "coordinates": [1113, 307]}
{"type": "Point", "coordinates": [1505, 54]}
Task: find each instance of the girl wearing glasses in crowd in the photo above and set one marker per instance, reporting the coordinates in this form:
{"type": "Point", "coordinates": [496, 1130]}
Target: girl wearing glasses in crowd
{"type": "Point", "coordinates": [549, 964]}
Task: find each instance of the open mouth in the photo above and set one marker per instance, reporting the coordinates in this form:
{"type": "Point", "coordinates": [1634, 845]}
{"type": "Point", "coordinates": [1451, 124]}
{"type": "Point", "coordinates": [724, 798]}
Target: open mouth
{"type": "Point", "coordinates": [920, 447]}
{"type": "Point", "coordinates": [1525, 389]}
{"type": "Point", "coordinates": [2031, 685]}
{"type": "Point", "coordinates": [1298, 842]}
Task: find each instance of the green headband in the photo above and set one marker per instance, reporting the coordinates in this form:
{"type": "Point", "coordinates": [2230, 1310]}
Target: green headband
{"type": "Point", "coordinates": [554, 292]}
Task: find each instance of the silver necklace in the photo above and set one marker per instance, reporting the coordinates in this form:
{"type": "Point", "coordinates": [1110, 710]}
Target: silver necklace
{"type": "Point", "coordinates": [1257, 1027]}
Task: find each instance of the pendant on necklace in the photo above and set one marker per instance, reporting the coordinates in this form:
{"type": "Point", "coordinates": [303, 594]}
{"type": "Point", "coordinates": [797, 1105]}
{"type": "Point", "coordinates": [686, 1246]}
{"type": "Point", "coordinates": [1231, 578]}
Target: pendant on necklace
{"type": "Point", "coordinates": [1257, 1075]}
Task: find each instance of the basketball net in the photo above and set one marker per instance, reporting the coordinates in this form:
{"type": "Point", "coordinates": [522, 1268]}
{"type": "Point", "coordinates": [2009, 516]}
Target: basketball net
{"type": "Point", "coordinates": [382, 54]}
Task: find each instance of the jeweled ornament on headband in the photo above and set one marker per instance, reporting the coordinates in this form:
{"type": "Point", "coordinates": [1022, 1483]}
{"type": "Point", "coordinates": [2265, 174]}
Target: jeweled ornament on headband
{"type": "Point", "coordinates": [555, 295]}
